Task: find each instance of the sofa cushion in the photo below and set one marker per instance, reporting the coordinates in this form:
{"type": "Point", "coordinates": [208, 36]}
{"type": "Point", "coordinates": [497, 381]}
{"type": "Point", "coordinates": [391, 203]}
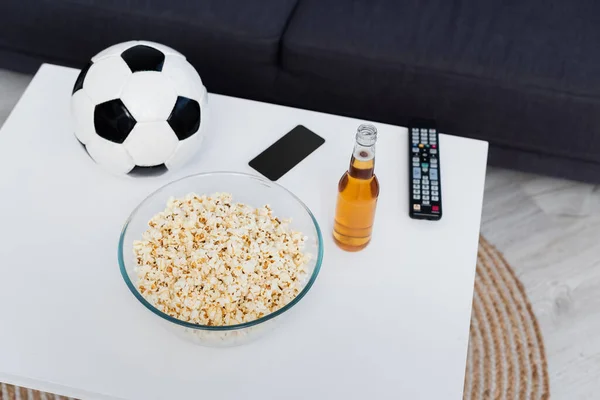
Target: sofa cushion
{"type": "Point", "coordinates": [524, 75]}
{"type": "Point", "coordinates": [540, 44]}
{"type": "Point", "coordinates": [220, 37]}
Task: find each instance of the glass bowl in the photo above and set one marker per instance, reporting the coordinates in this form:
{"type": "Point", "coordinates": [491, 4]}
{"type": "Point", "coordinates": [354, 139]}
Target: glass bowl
{"type": "Point", "coordinates": [249, 189]}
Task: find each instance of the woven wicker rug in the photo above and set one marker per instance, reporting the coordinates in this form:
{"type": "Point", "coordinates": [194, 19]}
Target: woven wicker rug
{"type": "Point", "coordinates": [506, 358]}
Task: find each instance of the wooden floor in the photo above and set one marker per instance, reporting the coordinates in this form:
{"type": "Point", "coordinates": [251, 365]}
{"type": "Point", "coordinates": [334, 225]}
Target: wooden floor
{"type": "Point", "coordinates": [549, 231]}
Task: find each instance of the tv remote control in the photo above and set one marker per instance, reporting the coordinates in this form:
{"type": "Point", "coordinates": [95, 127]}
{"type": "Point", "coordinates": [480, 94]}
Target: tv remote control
{"type": "Point", "coordinates": [425, 194]}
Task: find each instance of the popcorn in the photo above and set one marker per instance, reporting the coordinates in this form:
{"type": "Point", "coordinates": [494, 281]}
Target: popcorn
{"type": "Point", "coordinates": [209, 261]}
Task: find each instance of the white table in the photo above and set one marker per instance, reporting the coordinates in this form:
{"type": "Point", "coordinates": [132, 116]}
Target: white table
{"type": "Point", "coordinates": [390, 322]}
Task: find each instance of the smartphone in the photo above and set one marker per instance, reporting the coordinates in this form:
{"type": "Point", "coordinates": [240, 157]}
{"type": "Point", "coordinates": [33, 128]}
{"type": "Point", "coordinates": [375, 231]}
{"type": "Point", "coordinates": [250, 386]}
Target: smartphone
{"type": "Point", "coordinates": [287, 152]}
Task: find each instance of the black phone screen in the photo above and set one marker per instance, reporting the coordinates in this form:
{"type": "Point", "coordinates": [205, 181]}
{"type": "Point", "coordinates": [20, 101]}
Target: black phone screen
{"type": "Point", "coordinates": [287, 152]}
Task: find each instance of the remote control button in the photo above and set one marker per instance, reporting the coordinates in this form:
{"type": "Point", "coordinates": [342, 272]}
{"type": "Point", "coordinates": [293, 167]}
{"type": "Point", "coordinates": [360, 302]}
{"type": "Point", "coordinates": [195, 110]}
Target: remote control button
{"type": "Point", "coordinates": [416, 187]}
{"type": "Point", "coordinates": [415, 164]}
{"type": "Point", "coordinates": [415, 130]}
{"type": "Point", "coordinates": [435, 198]}
{"type": "Point", "coordinates": [416, 197]}
{"type": "Point", "coordinates": [425, 192]}
{"type": "Point", "coordinates": [415, 159]}
{"type": "Point", "coordinates": [416, 173]}
{"type": "Point", "coordinates": [425, 202]}
{"type": "Point", "coordinates": [417, 207]}
{"type": "Point", "coordinates": [415, 150]}
{"type": "Point", "coordinates": [416, 191]}
{"type": "Point", "coordinates": [425, 197]}
{"type": "Point", "coordinates": [435, 208]}
{"type": "Point", "coordinates": [433, 174]}
{"type": "Point", "coordinates": [434, 192]}
{"type": "Point", "coordinates": [432, 131]}
{"type": "Point", "coordinates": [434, 146]}
{"type": "Point", "coordinates": [433, 161]}
{"type": "Point", "coordinates": [416, 182]}
{"type": "Point", "coordinates": [423, 130]}
{"type": "Point", "coordinates": [433, 151]}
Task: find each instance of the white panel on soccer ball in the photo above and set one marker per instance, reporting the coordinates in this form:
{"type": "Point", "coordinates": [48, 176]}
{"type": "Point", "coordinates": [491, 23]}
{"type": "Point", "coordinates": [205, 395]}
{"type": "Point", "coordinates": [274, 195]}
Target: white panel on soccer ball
{"type": "Point", "coordinates": [149, 96]}
{"type": "Point", "coordinates": [109, 155]}
{"type": "Point", "coordinates": [105, 79]}
{"type": "Point", "coordinates": [186, 149]}
{"type": "Point", "coordinates": [82, 110]}
{"type": "Point", "coordinates": [204, 107]}
{"type": "Point", "coordinates": [151, 143]}
{"type": "Point", "coordinates": [114, 50]}
{"type": "Point", "coordinates": [185, 78]}
{"type": "Point", "coordinates": [166, 50]}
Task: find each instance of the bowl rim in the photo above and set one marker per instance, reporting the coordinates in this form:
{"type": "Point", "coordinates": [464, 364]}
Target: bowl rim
{"type": "Point", "coordinates": [265, 318]}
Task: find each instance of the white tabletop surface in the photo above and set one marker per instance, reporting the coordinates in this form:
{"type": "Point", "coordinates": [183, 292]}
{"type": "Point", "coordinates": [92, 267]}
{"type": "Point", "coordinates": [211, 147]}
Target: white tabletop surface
{"type": "Point", "coordinates": [390, 322]}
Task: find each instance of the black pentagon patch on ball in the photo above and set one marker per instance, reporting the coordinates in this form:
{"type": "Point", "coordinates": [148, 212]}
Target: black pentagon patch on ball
{"type": "Point", "coordinates": [185, 117]}
{"type": "Point", "coordinates": [156, 170]}
{"type": "Point", "coordinates": [143, 58]}
{"type": "Point", "coordinates": [79, 82]}
{"type": "Point", "coordinates": [113, 121]}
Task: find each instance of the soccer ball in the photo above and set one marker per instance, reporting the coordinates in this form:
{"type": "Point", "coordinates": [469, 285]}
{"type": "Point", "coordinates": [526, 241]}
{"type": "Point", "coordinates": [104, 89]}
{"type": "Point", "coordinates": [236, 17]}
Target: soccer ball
{"type": "Point", "coordinates": [139, 108]}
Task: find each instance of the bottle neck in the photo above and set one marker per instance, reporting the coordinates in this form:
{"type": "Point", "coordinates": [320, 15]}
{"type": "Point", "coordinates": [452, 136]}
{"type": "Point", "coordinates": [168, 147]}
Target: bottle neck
{"type": "Point", "coordinates": [362, 164]}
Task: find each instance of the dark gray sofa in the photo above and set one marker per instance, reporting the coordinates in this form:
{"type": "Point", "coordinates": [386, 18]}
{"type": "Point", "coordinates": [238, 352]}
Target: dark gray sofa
{"type": "Point", "coordinates": [523, 75]}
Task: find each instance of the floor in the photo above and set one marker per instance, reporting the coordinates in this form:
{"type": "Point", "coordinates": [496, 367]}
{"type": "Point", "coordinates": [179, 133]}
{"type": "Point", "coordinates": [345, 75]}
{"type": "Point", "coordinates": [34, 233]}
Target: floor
{"type": "Point", "coordinates": [549, 231]}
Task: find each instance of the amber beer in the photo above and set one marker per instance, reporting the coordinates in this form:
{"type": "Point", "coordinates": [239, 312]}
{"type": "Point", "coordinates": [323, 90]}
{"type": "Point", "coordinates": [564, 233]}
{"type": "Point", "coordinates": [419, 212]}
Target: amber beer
{"type": "Point", "coordinates": [358, 190]}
